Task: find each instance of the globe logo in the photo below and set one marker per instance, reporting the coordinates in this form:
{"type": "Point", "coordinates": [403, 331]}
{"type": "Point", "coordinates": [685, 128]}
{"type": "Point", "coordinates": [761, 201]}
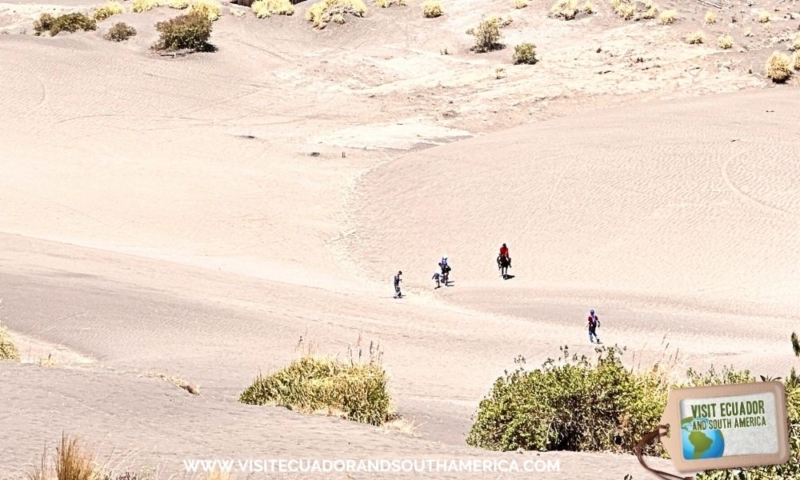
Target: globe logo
{"type": "Point", "coordinates": [698, 444]}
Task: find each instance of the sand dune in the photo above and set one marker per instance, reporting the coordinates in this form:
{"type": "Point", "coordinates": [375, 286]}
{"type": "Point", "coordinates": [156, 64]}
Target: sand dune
{"type": "Point", "coordinates": [196, 216]}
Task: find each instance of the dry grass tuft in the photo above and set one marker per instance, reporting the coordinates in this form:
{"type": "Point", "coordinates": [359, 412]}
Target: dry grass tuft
{"type": "Point", "coordinates": [725, 41]}
{"type": "Point", "coordinates": [565, 9]}
{"type": "Point", "coordinates": [107, 10]}
{"type": "Point", "coordinates": [625, 10]}
{"type": "Point", "coordinates": [177, 381]}
{"type": "Point", "coordinates": [499, 73]}
{"type": "Point", "coordinates": [525, 54]}
{"type": "Point", "coordinates": [325, 11]}
{"type": "Point", "coordinates": [778, 67]}
{"type": "Point", "coordinates": [748, 32]}
{"type": "Point", "coordinates": [588, 7]}
{"type": "Point", "coordinates": [70, 462]}
{"type": "Point", "coordinates": [139, 6]}
{"type": "Point", "coordinates": [695, 38]}
{"type": "Point", "coordinates": [432, 9]}
{"type": "Point", "coordinates": [518, 4]}
{"type": "Point", "coordinates": [207, 8]}
{"type": "Point", "coordinates": [268, 8]}
{"type": "Point", "coordinates": [763, 17]}
{"type": "Point", "coordinates": [178, 4]}
{"type": "Point", "coordinates": [389, 3]}
{"type": "Point", "coordinates": [796, 60]}
{"type": "Point", "coordinates": [400, 425]}
{"type": "Point", "coordinates": [795, 44]}
{"type": "Point", "coordinates": [667, 17]}
{"type": "Point", "coordinates": [711, 18]}
{"type": "Point", "coordinates": [651, 10]}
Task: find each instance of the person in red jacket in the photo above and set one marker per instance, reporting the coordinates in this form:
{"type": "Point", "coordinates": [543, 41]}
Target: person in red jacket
{"type": "Point", "coordinates": [504, 254]}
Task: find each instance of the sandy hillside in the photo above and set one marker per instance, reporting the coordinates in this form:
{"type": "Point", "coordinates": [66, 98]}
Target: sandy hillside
{"type": "Point", "coordinates": [197, 216]}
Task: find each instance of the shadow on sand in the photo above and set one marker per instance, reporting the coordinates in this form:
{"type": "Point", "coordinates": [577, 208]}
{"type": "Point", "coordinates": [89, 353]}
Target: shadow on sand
{"type": "Point", "coordinates": [508, 277]}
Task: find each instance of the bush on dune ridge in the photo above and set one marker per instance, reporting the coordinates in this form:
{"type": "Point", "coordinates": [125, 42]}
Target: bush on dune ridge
{"type": "Point", "coordinates": [566, 9]}
{"type": "Point", "coordinates": [120, 32]}
{"type": "Point", "coordinates": [778, 67]}
{"type": "Point", "coordinates": [184, 32]}
{"type": "Point", "coordinates": [71, 22]}
{"type": "Point", "coordinates": [432, 9]}
{"type": "Point", "coordinates": [357, 392]}
{"type": "Point", "coordinates": [325, 11]}
{"type": "Point", "coordinates": [109, 9]}
{"type": "Point", "coordinates": [140, 6]}
{"type": "Point", "coordinates": [208, 8]}
{"type": "Point", "coordinates": [578, 405]}
{"type": "Point", "coordinates": [487, 35]}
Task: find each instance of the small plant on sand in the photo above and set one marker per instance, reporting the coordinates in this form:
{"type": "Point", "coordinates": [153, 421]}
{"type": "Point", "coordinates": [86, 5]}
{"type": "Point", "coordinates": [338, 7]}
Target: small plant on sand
{"type": "Point", "coordinates": [389, 3]}
{"type": "Point", "coordinates": [43, 24]}
{"type": "Point", "coordinates": [626, 10]}
{"type": "Point", "coordinates": [651, 10]}
{"type": "Point", "coordinates": [796, 60]}
{"type": "Point", "coordinates": [748, 32]}
{"type": "Point", "coordinates": [725, 41]}
{"type": "Point", "coordinates": [795, 44]}
{"type": "Point", "coordinates": [565, 9]}
{"type": "Point", "coordinates": [356, 391]}
{"type": "Point", "coordinates": [695, 38]}
{"type": "Point", "coordinates": [710, 18]}
{"type": "Point", "coordinates": [177, 381]}
{"type": "Point", "coordinates": [525, 54]}
{"type": "Point", "coordinates": [178, 4]}
{"type": "Point", "coordinates": [7, 349]}
{"type": "Point", "coordinates": [120, 32]}
{"type": "Point", "coordinates": [518, 4]}
{"type": "Point", "coordinates": [139, 6]}
{"type": "Point", "coordinates": [499, 73]}
{"type": "Point", "coordinates": [667, 17]}
{"type": "Point", "coordinates": [487, 35]}
{"type": "Point", "coordinates": [209, 8]}
{"type": "Point", "coordinates": [326, 11]}
{"type": "Point", "coordinates": [763, 17]}
{"type": "Point", "coordinates": [72, 22]}
{"type": "Point", "coordinates": [779, 67]}
{"type": "Point", "coordinates": [184, 32]}
{"type": "Point", "coordinates": [588, 7]}
{"type": "Point", "coordinates": [268, 8]}
{"type": "Point", "coordinates": [107, 10]}
{"type": "Point", "coordinates": [432, 9]}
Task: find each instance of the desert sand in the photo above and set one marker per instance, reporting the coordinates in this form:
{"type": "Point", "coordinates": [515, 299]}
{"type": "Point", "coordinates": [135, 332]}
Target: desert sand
{"type": "Point", "coordinates": [209, 216]}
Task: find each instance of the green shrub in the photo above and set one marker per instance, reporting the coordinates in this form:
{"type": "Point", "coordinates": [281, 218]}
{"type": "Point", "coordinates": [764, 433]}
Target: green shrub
{"type": "Point", "coordinates": [184, 32]}
{"type": "Point", "coordinates": [71, 22]}
{"type": "Point", "coordinates": [120, 32]}
{"type": "Point", "coordinates": [572, 405]}
{"type": "Point", "coordinates": [357, 392]}
{"type": "Point", "coordinates": [487, 35]}
{"type": "Point", "coordinates": [7, 349]}
{"type": "Point", "coordinates": [525, 53]}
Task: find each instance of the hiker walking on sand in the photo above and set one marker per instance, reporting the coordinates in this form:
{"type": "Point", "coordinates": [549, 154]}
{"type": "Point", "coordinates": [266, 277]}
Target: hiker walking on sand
{"type": "Point", "coordinates": [594, 324]}
{"type": "Point", "coordinates": [397, 280]}
{"type": "Point", "coordinates": [437, 276]}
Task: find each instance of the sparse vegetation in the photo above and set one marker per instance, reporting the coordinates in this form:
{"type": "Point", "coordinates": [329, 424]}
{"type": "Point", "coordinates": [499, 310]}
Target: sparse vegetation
{"type": "Point", "coordinates": [796, 60]}
{"type": "Point", "coordinates": [184, 32]}
{"type": "Point", "coordinates": [695, 38]}
{"type": "Point", "coordinates": [575, 404]}
{"type": "Point", "coordinates": [325, 11]}
{"type": "Point", "coordinates": [432, 9]}
{"type": "Point", "coordinates": [499, 73]}
{"type": "Point", "coordinates": [651, 10]}
{"type": "Point", "coordinates": [354, 391]}
{"type": "Point", "coordinates": [795, 44]}
{"type": "Point", "coordinates": [566, 9]}
{"type": "Point", "coordinates": [208, 8]}
{"type": "Point", "coordinates": [667, 17]}
{"type": "Point", "coordinates": [626, 11]}
{"type": "Point", "coordinates": [710, 18]}
{"type": "Point", "coordinates": [487, 35]}
{"type": "Point", "coordinates": [779, 67]}
{"type": "Point", "coordinates": [748, 32]}
{"type": "Point", "coordinates": [70, 22]}
{"type": "Point", "coordinates": [268, 8]}
{"type": "Point", "coordinates": [178, 4]}
{"type": "Point", "coordinates": [725, 41]}
{"type": "Point", "coordinates": [7, 349]}
{"type": "Point", "coordinates": [108, 9]}
{"type": "Point", "coordinates": [763, 17]}
{"type": "Point", "coordinates": [120, 32]}
{"type": "Point", "coordinates": [389, 3]}
{"type": "Point", "coordinates": [588, 7]}
{"type": "Point", "coordinates": [139, 6]}
{"type": "Point", "coordinates": [518, 4]}
{"type": "Point", "coordinates": [525, 54]}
